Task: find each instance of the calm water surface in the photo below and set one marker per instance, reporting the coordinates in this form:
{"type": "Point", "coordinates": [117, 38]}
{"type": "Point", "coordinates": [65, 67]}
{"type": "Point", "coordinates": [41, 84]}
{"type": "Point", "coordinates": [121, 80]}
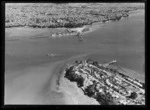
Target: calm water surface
{"type": "Point", "coordinates": [122, 40]}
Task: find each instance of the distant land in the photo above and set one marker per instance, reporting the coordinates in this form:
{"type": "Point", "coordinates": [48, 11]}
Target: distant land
{"type": "Point", "coordinates": [51, 15]}
{"type": "Point", "coordinates": [40, 46]}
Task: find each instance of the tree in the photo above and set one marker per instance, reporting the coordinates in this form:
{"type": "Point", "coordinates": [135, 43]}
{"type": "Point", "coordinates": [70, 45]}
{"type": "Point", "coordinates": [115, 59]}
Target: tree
{"type": "Point", "coordinates": [95, 63]}
{"type": "Point", "coordinates": [80, 81]}
{"type": "Point", "coordinates": [90, 90]}
{"type": "Point", "coordinates": [105, 98]}
{"type": "Point", "coordinates": [133, 95]}
{"type": "Point", "coordinates": [78, 61]}
{"type": "Point", "coordinates": [100, 98]}
{"type": "Point", "coordinates": [89, 60]}
{"type": "Point", "coordinates": [68, 72]}
{"type": "Point", "coordinates": [74, 77]}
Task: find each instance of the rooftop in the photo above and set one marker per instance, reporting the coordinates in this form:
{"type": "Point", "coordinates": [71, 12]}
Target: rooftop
{"type": "Point", "coordinates": [96, 79]}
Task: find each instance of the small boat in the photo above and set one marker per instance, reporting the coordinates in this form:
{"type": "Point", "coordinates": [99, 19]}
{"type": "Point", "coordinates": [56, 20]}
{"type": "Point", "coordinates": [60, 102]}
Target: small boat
{"type": "Point", "coordinates": [51, 54]}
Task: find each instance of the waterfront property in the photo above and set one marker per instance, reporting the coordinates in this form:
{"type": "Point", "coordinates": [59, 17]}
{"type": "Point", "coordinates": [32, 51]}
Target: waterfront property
{"type": "Point", "coordinates": [105, 86]}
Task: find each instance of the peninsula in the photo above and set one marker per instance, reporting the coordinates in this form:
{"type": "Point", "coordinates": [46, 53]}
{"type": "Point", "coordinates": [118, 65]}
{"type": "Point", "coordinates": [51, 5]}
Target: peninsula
{"type": "Point", "coordinates": [106, 85]}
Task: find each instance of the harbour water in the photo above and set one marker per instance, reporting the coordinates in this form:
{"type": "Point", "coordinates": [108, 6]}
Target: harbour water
{"type": "Point", "coordinates": [32, 64]}
{"type": "Point", "coordinates": [120, 40]}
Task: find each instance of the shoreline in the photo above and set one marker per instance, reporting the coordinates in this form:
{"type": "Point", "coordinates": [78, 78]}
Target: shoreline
{"type": "Point", "coordinates": [75, 73]}
{"type": "Point", "coordinates": [94, 26]}
{"type": "Point", "coordinates": [42, 70]}
{"type": "Point", "coordinates": [54, 71]}
{"type": "Point", "coordinates": [16, 37]}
